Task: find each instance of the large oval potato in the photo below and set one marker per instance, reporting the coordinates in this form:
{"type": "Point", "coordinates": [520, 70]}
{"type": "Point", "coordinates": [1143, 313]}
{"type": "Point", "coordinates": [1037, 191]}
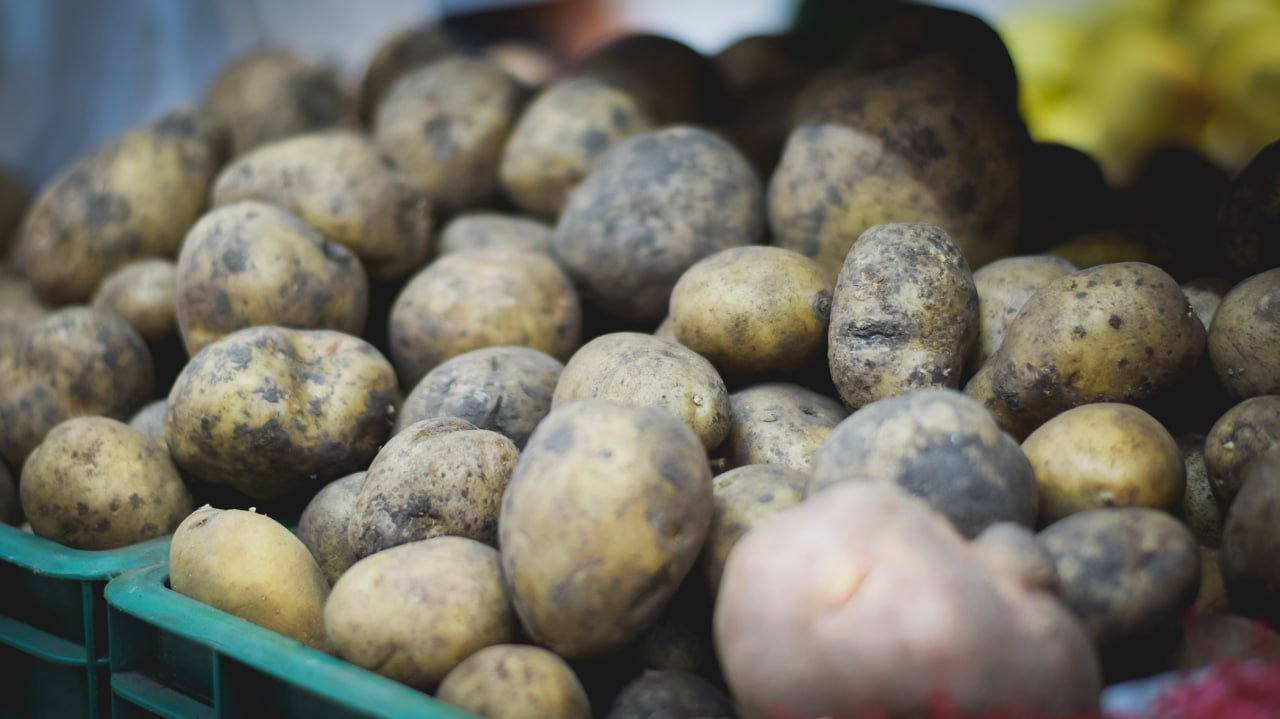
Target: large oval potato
{"type": "Point", "coordinates": [322, 526]}
{"type": "Point", "coordinates": [143, 293]}
{"type": "Point", "coordinates": [1240, 436]}
{"type": "Point", "coordinates": [1245, 334]}
{"type": "Point", "coordinates": [1003, 287]}
{"type": "Point", "coordinates": [1250, 543]}
{"type": "Point", "coordinates": [511, 681]}
{"type": "Point", "coordinates": [477, 230]}
{"type": "Point", "coordinates": [745, 498]}
{"type": "Point", "coordinates": [604, 516]}
{"type": "Point", "coordinates": [779, 423]}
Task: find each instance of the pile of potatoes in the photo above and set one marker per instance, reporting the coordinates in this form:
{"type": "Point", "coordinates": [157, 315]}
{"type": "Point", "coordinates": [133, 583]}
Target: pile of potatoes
{"type": "Point", "coordinates": [758, 385]}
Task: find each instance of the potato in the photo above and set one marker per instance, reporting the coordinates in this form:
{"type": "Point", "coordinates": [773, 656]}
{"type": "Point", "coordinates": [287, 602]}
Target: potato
{"type": "Point", "coordinates": [670, 694]}
{"type": "Point", "coordinates": [249, 565]}
{"type": "Point", "coordinates": [559, 137]}
{"type": "Point", "coordinates": [14, 198]}
{"type": "Point", "coordinates": [652, 206]}
{"type": "Point", "coordinates": [399, 53]}
{"type": "Point", "coordinates": [1242, 435]}
{"type": "Point", "coordinates": [483, 298]}
{"type": "Point", "coordinates": [666, 330]}
{"type": "Point", "coordinates": [1003, 287]}
{"type": "Point", "coordinates": [273, 93]}
{"type": "Point", "coordinates": [444, 124]}
{"type": "Point", "coordinates": [10, 503]}
{"type": "Point", "coordinates": [888, 609]}
{"type": "Point", "coordinates": [745, 498]}
{"type": "Point", "coordinates": [1212, 596]}
{"type": "Point", "coordinates": [251, 263]}
{"type": "Point", "coordinates": [96, 483]}
{"type": "Point", "coordinates": [604, 516]}
{"type": "Point", "coordinates": [432, 484]}
{"type": "Point", "coordinates": [19, 309]}
{"type": "Point", "coordinates": [904, 315]}
{"type": "Point", "coordinates": [143, 293]}
{"type": "Point", "coordinates": [323, 525]}
{"type": "Point", "coordinates": [672, 81]}
{"type": "Point", "coordinates": [1010, 548]}
{"type": "Point", "coordinates": [645, 371]}
{"type": "Point", "coordinates": [149, 421]}
{"type": "Point", "coordinates": [1111, 333]}
{"type": "Point", "coordinates": [134, 196]}
{"type": "Point", "coordinates": [75, 362]}
{"type": "Point", "coordinates": [1249, 215]}
{"type": "Point", "coordinates": [913, 143]}
{"type": "Point", "coordinates": [678, 641]}
{"type": "Point", "coordinates": [477, 230]}
{"type": "Point", "coordinates": [1245, 334]}
{"type": "Point", "coordinates": [532, 63]}
{"type": "Point", "coordinates": [504, 389]}
{"type": "Point", "coordinates": [511, 681]}
{"type": "Point", "coordinates": [758, 61]}
{"type": "Point", "coordinates": [1250, 542]}
{"type": "Point", "coordinates": [1205, 296]}
{"type": "Point", "coordinates": [416, 611]}
{"type": "Point", "coordinates": [939, 445]}
{"type": "Point", "coordinates": [1199, 505]}
{"type": "Point", "coordinates": [753, 309]}
{"type": "Point", "coordinates": [778, 423]}
{"type": "Point", "coordinates": [267, 410]}
{"type": "Point", "coordinates": [338, 182]}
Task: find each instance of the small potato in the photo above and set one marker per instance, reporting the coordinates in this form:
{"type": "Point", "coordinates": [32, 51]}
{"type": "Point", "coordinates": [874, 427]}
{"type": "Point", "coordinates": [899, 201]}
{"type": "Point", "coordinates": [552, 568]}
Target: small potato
{"type": "Point", "coordinates": [75, 362]}
{"type": "Point", "coordinates": [512, 681]}
{"type": "Point", "coordinates": [904, 315]}
{"type": "Point", "coordinates": [746, 497]}
{"type": "Point", "coordinates": [444, 124]}
{"type": "Point", "coordinates": [670, 694]}
{"type": "Point", "coordinates": [323, 525]}
{"type": "Point", "coordinates": [604, 517]}
{"type": "Point", "coordinates": [1242, 435]}
{"type": "Point", "coordinates": [251, 263]}
{"type": "Point", "coordinates": [267, 410]}
{"type": "Point", "coordinates": [10, 503]}
{"type": "Point", "coordinates": [430, 484]}
{"type": "Point", "coordinates": [504, 389]}
{"type": "Point", "coordinates": [478, 230]}
{"type": "Point", "coordinates": [1199, 505]}
{"type": "Point", "coordinates": [483, 298]}
{"type": "Point", "coordinates": [1250, 543]}
{"type": "Point", "coordinates": [1111, 333]}
{"type": "Point", "coordinates": [559, 137]}
{"type": "Point", "coordinates": [1105, 454]}
{"type": "Point", "coordinates": [143, 293]}
{"type": "Point", "coordinates": [149, 421]}
{"type": "Point", "coordinates": [1003, 287]}
{"type": "Point", "coordinates": [398, 54]}
{"type": "Point", "coordinates": [939, 445]}
{"type": "Point", "coordinates": [1205, 296]}
{"type": "Point", "coordinates": [1245, 335]}
{"type": "Point", "coordinates": [753, 309]}
{"type": "Point", "coordinates": [1249, 215]}
{"type": "Point", "coordinates": [652, 206]}
{"type": "Point", "coordinates": [673, 82]}
{"type": "Point", "coordinates": [250, 566]}
{"type": "Point", "coordinates": [337, 182]}
{"type": "Point", "coordinates": [645, 371]}
{"type": "Point", "coordinates": [415, 612]}
{"type": "Point", "coordinates": [779, 423]}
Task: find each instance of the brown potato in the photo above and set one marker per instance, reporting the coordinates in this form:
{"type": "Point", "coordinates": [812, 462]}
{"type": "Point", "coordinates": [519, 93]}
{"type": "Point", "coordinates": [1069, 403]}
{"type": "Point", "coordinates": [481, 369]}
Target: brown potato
{"type": "Point", "coordinates": [477, 230]}
{"type": "Point", "coordinates": [745, 498]}
{"type": "Point", "coordinates": [1242, 435]}
{"type": "Point", "coordinates": [1245, 335]}
{"type": "Point", "coordinates": [322, 527]}
{"type": "Point", "coordinates": [143, 293]}
{"type": "Point", "coordinates": [1250, 543]}
{"type": "Point", "coordinates": [670, 694]}
{"type": "Point", "coordinates": [1003, 287]}
{"type": "Point", "coordinates": [251, 263]}
{"type": "Point", "coordinates": [1199, 504]}
{"type": "Point", "coordinates": [778, 423]}
{"type": "Point", "coordinates": [511, 681]}
{"type": "Point", "coordinates": [398, 54]}
{"type": "Point", "coordinates": [673, 82]}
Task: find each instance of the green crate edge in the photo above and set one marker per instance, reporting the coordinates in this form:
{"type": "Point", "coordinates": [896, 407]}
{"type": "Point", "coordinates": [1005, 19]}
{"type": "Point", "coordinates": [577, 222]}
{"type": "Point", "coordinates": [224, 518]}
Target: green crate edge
{"type": "Point", "coordinates": [143, 595]}
{"type": "Point", "coordinates": [48, 558]}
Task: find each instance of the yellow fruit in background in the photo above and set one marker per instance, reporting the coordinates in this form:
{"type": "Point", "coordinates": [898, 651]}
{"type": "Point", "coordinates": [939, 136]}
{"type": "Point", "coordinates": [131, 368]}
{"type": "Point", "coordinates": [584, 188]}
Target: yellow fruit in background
{"type": "Point", "coordinates": [1069, 120]}
{"type": "Point", "coordinates": [1043, 42]}
{"type": "Point", "coordinates": [1203, 22]}
{"type": "Point", "coordinates": [1243, 68]}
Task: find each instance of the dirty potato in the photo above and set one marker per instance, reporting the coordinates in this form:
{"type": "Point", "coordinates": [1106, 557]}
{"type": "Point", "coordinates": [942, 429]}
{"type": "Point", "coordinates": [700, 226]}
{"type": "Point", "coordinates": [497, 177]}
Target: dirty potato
{"type": "Point", "coordinates": [745, 498]}
{"type": "Point", "coordinates": [512, 681]}
{"type": "Point", "coordinates": [143, 293]}
{"type": "Point", "coordinates": [1200, 507]}
{"type": "Point", "coordinates": [322, 527]}
{"type": "Point", "coordinates": [1239, 437]}
{"type": "Point", "coordinates": [1250, 544]}
{"type": "Point", "coordinates": [477, 230]}
{"type": "Point", "coordinates": [1245, 335]}
{"type": "Point", "coordinates": [1003, 287]}
{"type": "Point", "coordinates": [778, 423]}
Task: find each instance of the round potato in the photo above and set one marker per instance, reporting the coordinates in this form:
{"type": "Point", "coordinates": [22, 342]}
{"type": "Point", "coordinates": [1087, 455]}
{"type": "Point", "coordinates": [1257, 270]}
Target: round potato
{"type": "Point", "coordinates": [753, 309]}
{"type": "Point", "coordinates": [1250, 543]}
{"type": "Point", "coordinates": [1003, 287]}
{"type": "Point", "coordinates": [477, 230]}
{"type": "Point", "coordinates": [143, 293]}
{"type": "Point", "coordinates": [1242, 435]}
{"type": "Point", "coordinates": [745, 498]}
{"type": "Point", "coordinates": [604, 516]}
{"type": "Point", "coordinates": [322, 527]}
{"type": "Point", "coordinates": [670, 694]}
{"type": "Point", "coordinates": [652, 206]}
{"type": "Point", "coordinates": [416, 611]}
{"type": "Point", "coordinates": [673, 82]}
{"type": "Point", "coordinates": [1249, 215]}
{"type": "Point", "coordinates": [646, 371]}
{"type": "Point", "coordinates": [504, 389]}
{"type": "Point", "coordinates": [1245, 335]}
{"type": "Point", "coordinates": [779, 423]}
{"type": "Point", "coordinates": [512, 681]}
{"type": "Point", "coordinates": [483, 298]}
{"type": "Point", "coordinates": [939, 445]}
{"type": "Point", "coordinates": [149, 421]}
{"type": "Point", "coordinates": [399, 53]}
{"type": "Point", "coordinates": [267, 410]}
{"type": "Point", "coordinates": [1199, 504]}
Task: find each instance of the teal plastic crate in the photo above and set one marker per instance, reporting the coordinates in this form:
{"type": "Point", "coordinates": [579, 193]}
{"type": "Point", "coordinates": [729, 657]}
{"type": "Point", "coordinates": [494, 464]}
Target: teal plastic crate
{"type": "Point", "coordinates": [53, 624]}
{"type": "Point", "coordinates": [174, 657]}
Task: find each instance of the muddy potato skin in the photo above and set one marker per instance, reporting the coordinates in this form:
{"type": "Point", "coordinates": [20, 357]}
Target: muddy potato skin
{"type": "Point", "coordinates": [1200, 507]}
{"type": "Point", "coordinates": [251, 263]}
{"type": "Point", "coordinates": [1112, 333]}
{"type": "Point", "coordinates": [403, 51]}
{"type": "Point", "coordinates": [512, 681]}
{"type": "Point", "coordinates": [1250, 544]}
{"type": "Point", "coordinates": [939, 445]}
{"type": "Point", "coordinates": [477, 230]}
{"type": "Point", "coordinates": [266, 410]}
{"type": "Point", "coordinates": [96, 483]}
{"type": "Point", "coordinates": [336, 182]}
{"type": "Point", "coordinates": [422, 487]}
{"type": "Point", "coordinates": [322, 527]}
{"type": "Point", "coordinates": [444, 124]}
{"type": "Point", "coordinates": [414, 612]}
{"type": "Point", "coordinates": [646, 371]}
{"type": "Point", "coordinates": [848, 632]}
{"type": "Point", "coordinates": [779, 423]}
{"type": "Point", "coordinates": [670, 693]}
{"type": "Point", "coordinates": [504, 389]}
{"type": "Point", "coordinates": [144, 293]}
{"type": "Point", "coordinates": [1242, 435]}
{"type": "Point", "coordinates": [1003, 287]}
{"type": "Point", "coordinates": [76, 361]}
{"type": "Point", "coordinates": [745, 498]}
{"type": "Point", "coordinates": [753, 309]}
{"type": "Point", "coordinates": [593, 554]}
{"type": "Point", "coordinates": [135, 196]}
{"type": "Point", "coordinates": [251, 566]}
{"type": "Point", "coordinates": [652, 206]}
{"type": "Point", "coordinates": [1104, 454]}
{"type": "Point", "coordinates": [1245, 335]}
{"type": "Point", "coordinates": [904, 314]}
{"type": "Point", "coordinates": [483, 298]}
{"type": "Point", "coordinates": [559, 137]}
